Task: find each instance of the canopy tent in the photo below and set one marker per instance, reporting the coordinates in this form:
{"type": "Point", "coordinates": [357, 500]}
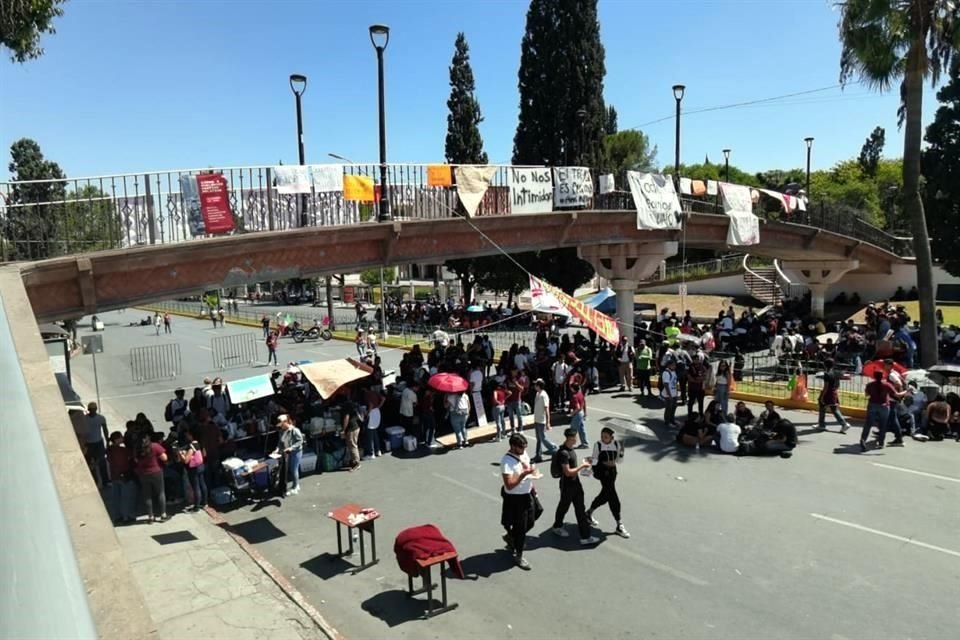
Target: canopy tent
{"type": "Point", "coordinates": [249, 389]}
{"type": "Point", "coordinates": [604, 301]}
{"type": "Point", "coordinates": [329, 376]}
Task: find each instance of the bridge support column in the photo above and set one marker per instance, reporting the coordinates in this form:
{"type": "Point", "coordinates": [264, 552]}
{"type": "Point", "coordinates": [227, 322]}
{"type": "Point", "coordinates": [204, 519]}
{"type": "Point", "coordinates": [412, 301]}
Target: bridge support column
{"type": "Point", "coordinates": [625, 266]}
{"type": "Point", "coordinates": [817, 277]}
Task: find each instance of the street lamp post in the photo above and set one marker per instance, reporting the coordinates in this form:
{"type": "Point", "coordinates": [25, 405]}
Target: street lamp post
{"type": "Point", "coordinates": [678, 90]}
{"type": "Point", "coordinates": [726, 165]}
{"type": "Point", "coordinates": [809, 142]}
{"type": "Point", "coordinates": [582, 122]}
{"type": "Point", "coordinates": [380, 37]}
{"type": "Point", "coordinates": [298, 84]}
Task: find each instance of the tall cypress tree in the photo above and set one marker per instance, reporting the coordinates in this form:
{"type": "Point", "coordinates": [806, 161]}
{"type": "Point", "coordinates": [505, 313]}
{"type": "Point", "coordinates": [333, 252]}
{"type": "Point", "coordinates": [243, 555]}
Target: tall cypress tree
{"type": "Point", "coordinates": [562, 113]}
{"type": "Point", "coordinates": [941, 168]}
{"type": "Point", "coordinates": [464, 144]}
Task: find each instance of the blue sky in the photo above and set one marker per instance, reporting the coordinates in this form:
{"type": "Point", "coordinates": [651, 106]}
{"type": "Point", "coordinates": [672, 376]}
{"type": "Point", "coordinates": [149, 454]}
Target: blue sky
{"type": "Point", "coordinates": [139, 86]}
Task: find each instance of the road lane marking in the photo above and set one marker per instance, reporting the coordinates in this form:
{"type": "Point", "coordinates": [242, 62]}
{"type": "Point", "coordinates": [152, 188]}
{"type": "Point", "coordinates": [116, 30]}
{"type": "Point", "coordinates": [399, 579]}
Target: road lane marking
{"type": "Point", "coordinates": [884, 534]}
{"type": "Point", "coordinates": [918, 473]}
{"type": "Point", "coordinates": [653, 564]}
{"type": "Point", "coordinates": [205, 348]}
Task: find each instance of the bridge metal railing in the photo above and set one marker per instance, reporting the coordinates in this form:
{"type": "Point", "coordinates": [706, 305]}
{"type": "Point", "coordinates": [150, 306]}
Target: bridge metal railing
{"type": "Point", "coordinates": [47, 218]}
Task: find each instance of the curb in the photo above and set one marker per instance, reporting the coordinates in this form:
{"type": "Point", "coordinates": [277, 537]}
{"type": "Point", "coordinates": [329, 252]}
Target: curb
{"type": "Point", "coordinates": [247, 323]}
{"type": "Point", "coordinates": [288, 589]}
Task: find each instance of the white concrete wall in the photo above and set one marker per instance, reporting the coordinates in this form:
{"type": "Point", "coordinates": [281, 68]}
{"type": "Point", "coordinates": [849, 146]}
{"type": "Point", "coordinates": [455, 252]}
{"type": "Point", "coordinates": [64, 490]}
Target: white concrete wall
{"type": "Point", "coordinates": [877, 286]}
{"type": "Point", "coordinates": [730, 285]}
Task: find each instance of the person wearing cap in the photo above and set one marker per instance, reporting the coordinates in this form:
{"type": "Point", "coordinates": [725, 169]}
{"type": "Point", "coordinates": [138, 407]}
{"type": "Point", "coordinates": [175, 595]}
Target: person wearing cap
{"type": "Point", "coordinates": [95, 443]}
{"type": "Point", "coordinates": [541, 419]}
{"type": "Point", "coordinates": [218, 400]}
{"type": "Point", "coordinates": [607, 455]}
{"type": "Point", "coordinates": [291, 448]}
{"type": "Point", "coordinates": [565, 465]}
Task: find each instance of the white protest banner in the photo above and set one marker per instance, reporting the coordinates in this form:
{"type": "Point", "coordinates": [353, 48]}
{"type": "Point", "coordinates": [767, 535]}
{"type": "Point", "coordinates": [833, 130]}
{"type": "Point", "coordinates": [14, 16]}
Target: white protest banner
{"type": "Point", "coordinates": [543, 300]}
{"type": "Point", "coordinates": [744, 229]}
{"type": "Point", "coordinates": [736, 197]}
{"type": "Point", "coordinates": [292, 179]}
{"type": "Point", "coordinates": [531, 190]}
{"type": "Point", "coordinates": [472, 183]}
{"type": "Point", "coordinates": [686, 186]}
{"type": "Point", "coordinates": [326, 177]}
{"type": "Point", "coordinates": [711, 187]}
{"type": "Point", "coordinates": [572, 187]}
{"type": "Point", "coordinates": [658, 206]}
{"type": "Point", "coordinates": [607, 184]}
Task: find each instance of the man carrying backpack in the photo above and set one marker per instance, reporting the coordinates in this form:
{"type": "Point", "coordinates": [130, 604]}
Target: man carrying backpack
{"type": "Point", "coordinates": [564, 466]}
{"type": "Point", "coordinates": [177, 409]}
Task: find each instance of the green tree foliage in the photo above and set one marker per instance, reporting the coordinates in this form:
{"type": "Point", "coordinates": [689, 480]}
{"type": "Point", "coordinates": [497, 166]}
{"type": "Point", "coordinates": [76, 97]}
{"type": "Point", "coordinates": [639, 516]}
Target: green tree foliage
{"type": "Point", "coordinates": [871, 151]}
{"type": "Point", "coordinates": [941, 168]}
{"type": "Point", "coordinates": [610, 127]}
{"type": "Point", "coordinates": [464, 144]}
{"type": "Point", "coordinates": [886, 41]}
{"type": "Point", "coordinates": [715, 172]}
{"type": "Point", "coordinates": [628, 150]}
{"type": "Point", "coordinates": [22, 22]}
{"type": "Point", "coordinates": [30, 226]}
{"type": "Point", "coordinates": [89, 221]}
{"type": "Point", "coordinates": [371, 277]}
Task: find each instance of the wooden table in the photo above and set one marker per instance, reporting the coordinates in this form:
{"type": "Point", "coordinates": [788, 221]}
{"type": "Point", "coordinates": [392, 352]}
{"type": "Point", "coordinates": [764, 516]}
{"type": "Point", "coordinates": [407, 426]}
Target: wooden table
{"type": "Point", "coordinates": [428, 585]}
{"type": "Point", "coordinates": [341, 515]}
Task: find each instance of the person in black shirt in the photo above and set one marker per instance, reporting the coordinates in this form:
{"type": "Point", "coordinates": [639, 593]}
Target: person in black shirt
{"type": "Point", "coordinates": [571, 491]}
{"type": "Point", "coordinates": [769, 417]}
{"type": "Point", "coordinates": [830, 399]}
{"type": "Point", "coordinates": [743, 416]}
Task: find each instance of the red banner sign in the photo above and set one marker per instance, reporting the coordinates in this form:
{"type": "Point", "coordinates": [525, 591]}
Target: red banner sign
{"type": "Point", "coordinates": [602, 324]}
{"type": "Point", "coordinates": [214, 203]}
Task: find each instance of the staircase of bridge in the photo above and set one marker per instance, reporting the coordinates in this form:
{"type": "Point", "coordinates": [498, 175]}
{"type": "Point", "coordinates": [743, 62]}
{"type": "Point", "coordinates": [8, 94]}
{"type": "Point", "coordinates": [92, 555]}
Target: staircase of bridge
{"type": "Point", "coordinates": [762, 282]}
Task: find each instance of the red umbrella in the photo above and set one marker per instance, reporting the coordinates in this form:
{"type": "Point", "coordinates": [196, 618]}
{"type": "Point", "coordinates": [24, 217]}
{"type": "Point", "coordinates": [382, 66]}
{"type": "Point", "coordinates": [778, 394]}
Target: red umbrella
{"type": "Point", "coordinates": [877, 365]}
{"type": "Point", "coordinates": [448, 383]}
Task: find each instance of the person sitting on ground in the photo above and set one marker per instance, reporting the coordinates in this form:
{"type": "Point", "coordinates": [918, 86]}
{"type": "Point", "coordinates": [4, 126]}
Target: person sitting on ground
{"type": "Point", "coordinates": [768, 417]}
{"type": "Point", "coordinates": [713, 416]}
{"type": "Point", "coordinates": [742, 415]}
{"type": "Point", "coordinates": [783, 438]}
{"type": "Point", "coordinates": [728, 434]}
{"type": "Point", "coordinates": [695, 432]}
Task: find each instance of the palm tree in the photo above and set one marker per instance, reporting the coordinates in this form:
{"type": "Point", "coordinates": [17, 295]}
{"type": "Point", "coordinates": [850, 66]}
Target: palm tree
{"type": "Point", "coordinates": [906, 41]}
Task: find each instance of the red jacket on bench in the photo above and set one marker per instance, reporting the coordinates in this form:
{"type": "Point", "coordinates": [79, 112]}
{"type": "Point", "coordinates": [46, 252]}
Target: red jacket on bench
{"type": "Point", "coordinates": [421, 543]}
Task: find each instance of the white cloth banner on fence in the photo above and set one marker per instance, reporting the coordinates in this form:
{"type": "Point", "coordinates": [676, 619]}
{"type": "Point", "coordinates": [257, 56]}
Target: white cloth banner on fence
{"type": "Point", "coordinates": [744, 229]}
{"type": "Point", "coordinates": [472, 183]}
{"type": "Point", "coordinates": [531, 190]}
{"type": "Point", "coordinates": [326, 177]}
{"type": "Point", "coordinates": [572, 187]}
{"type": "Point", "coordinates": [802, 203]}
{"type": "Point", "coordinates": [658, 206]}
{"type": "Point", "coordinates": [543, 300]}
{"type": "Point", "coordinates": [686, 186]}
{"type": "Point", "coordinates": [292, 179]}
{"type": "Point", "coordinates": [711, 187]}
{"type": "Point", "coordinates": [607, 183]}
{"type": "Point", "coordinates": [736, 197]}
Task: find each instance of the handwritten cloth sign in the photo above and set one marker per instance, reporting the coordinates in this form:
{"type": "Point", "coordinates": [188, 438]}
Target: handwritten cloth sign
{"type": "Point", "coordinates": [607, 184]}
{"type": "Point", "coordinates": [744, 229]}
{"type": "Point", "coordinates": [359, 188]}
{"type": "Point", "coordinates": [572, 187]}
{"type": "Point", "coordinates": [711, 187]}
{"type": "Point", "coordinates": [604, 326]}
{"type": "Point", "coordinates": [658, 206]}
{"type": "Point", "coordinates": [326, 178]}
{"type": "Point", "coordinates": [438, 175]}
{"type": "Point", "coordinates": [472, 183]}
{"type": "Point", "coordinates": [531, 190]}
{"type": "Point", "coordinates": [292, 179]}
{"type": "Point", "coordinates": [736, 197]}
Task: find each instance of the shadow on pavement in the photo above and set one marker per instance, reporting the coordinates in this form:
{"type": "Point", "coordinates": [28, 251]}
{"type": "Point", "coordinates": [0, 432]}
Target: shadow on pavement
{"type": "Point", "coordinates": [484, 565]}
{"type": "Point", "coordinates": [851, 449]}
{"type": "Point", "coordinates": [255, 531]}
{"type": "Point", "coordinates": [396, 606]}
{"type": "Point", "coordinates": [328, 565]}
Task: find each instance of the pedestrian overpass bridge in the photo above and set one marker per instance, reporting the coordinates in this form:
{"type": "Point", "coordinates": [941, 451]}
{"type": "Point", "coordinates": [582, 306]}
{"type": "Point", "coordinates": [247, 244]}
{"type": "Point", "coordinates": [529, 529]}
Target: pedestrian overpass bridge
{"type": "Point", "coordinates": [79, 246]}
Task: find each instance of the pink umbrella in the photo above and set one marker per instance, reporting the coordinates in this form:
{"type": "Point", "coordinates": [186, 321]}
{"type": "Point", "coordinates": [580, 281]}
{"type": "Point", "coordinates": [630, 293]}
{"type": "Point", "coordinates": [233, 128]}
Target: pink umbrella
{"type": "Point", "coordinates": [448, 383]}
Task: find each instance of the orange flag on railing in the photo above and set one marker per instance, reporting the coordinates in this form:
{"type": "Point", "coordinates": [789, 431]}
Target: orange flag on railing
{"type": "Point", "coordinates": [359, 188]}
{"type": "Point", "coordinates": [439, 175]}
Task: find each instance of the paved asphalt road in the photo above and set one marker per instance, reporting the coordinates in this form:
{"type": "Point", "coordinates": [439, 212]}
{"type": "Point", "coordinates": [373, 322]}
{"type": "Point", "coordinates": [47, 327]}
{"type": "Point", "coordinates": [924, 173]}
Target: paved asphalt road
{"type": "Point", "coordinates": [828, 544]}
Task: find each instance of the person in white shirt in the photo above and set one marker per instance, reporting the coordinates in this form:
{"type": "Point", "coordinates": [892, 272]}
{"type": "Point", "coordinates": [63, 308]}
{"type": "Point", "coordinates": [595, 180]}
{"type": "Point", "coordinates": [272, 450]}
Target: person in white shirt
{"type": "Point", "coordinates": [670, 393]}
{"type": "Point", "coordinates": [408, 403]}
{"type": "Point", "coordinates": [519, 512]}
{"type": "Point", "coordinates": [541, 419]}
{"type": "Point", "coordinates": [373, 448]}
{"type": "Point", "coordinates": [728, 435]}
{"type": "Point", "coordinates": [458, 408]}
{"type": "Point", "coordinates": [560, 372]}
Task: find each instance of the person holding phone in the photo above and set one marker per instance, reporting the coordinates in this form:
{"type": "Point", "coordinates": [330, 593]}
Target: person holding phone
{"type": "Point", "coordinates": [564, 466]}
{"type": "Point", "coordinates": [520, 504]}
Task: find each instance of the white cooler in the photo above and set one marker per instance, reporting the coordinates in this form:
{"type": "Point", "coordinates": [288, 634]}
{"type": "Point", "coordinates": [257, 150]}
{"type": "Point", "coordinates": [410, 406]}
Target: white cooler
{"type": "Point", "coordinates": [409, 443]}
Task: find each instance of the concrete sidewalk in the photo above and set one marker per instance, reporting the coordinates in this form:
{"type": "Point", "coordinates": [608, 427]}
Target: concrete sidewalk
{"type": "Point", "coordinates": [197, 581]}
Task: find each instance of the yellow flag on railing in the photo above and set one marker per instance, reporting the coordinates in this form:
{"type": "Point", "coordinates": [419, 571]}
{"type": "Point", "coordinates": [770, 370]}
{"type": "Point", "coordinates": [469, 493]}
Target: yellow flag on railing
{"type": "Point", "coordinates": [439, 175]}
{"type": "Point", "coordinates": [359, 188]}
